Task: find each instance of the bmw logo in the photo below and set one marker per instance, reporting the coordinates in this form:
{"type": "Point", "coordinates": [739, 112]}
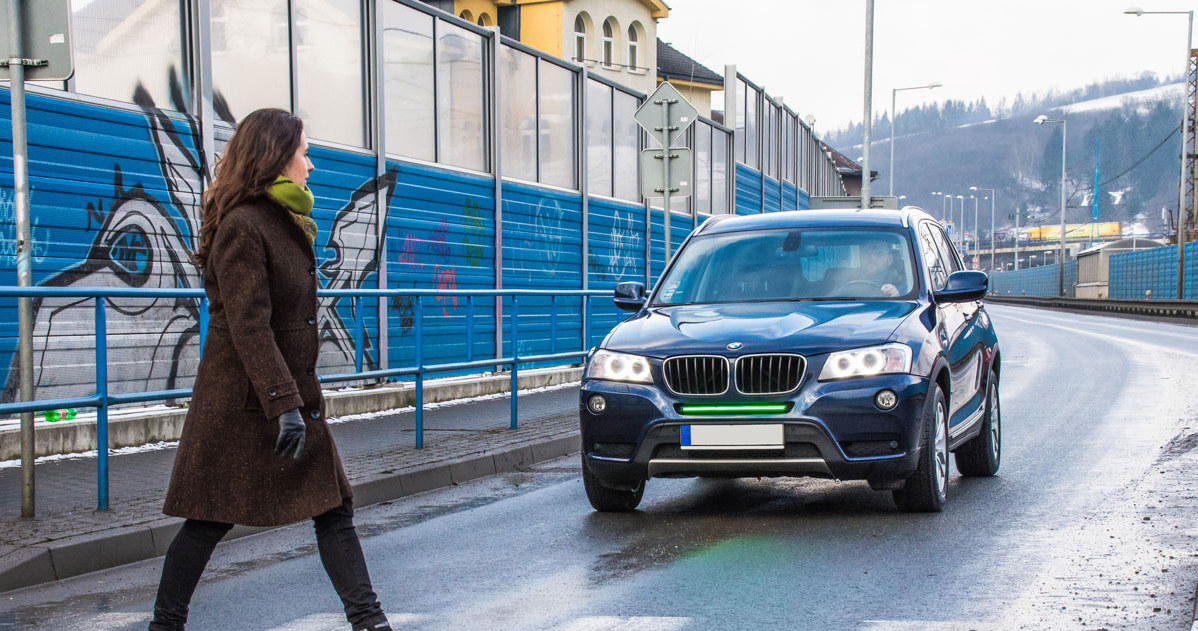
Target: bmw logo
{"type": "Point", "coordinates": [735, 346]}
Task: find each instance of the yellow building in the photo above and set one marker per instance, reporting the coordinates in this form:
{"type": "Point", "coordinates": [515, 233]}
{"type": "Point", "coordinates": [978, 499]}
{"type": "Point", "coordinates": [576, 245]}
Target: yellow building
{"type": "Point", "coordinates": [614, 38]}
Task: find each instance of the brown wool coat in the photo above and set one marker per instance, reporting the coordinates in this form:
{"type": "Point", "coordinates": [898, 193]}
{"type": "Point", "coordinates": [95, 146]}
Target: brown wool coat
{"type": "Point", "coordinates": [259, 361]}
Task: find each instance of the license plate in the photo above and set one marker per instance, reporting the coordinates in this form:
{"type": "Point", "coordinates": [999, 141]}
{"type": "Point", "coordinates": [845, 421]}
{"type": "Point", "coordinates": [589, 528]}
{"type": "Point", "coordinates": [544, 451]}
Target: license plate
{"type": "Point", "coordinates": [732, 436]}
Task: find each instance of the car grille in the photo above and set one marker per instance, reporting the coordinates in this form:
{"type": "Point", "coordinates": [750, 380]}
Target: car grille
{"type": "Point", "coordinates": [697, 374]}
{"type": "Point", "coordinates": [769, 374]}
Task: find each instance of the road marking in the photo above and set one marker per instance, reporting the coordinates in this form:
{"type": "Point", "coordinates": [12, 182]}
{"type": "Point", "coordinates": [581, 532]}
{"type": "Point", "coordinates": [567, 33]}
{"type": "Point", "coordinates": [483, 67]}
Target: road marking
{"type": "Point", "coordinates": [1112, 338]}
{"type": "Point", "coordinates": [632, 623]}
{"type": "Point", "coordinates": [331, 621]}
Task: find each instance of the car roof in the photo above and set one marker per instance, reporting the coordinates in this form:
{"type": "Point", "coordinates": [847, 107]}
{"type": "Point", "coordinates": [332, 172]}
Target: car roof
{"type": "Point", "coordinates": [874, 217]}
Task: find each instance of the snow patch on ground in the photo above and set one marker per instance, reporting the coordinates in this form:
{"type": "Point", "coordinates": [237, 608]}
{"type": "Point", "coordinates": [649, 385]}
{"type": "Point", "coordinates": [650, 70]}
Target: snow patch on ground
{"type": "Point", "coordinates": [1143, 98]}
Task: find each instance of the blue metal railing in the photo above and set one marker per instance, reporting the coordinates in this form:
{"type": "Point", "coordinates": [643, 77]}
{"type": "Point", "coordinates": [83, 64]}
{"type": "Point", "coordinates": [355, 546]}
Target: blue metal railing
{"type": "Point", "coordinates": [103, 399]}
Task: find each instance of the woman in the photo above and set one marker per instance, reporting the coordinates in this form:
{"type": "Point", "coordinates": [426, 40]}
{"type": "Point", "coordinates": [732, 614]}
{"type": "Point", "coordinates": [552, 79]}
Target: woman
{"type": "Point", "coordinates": [255, 449]}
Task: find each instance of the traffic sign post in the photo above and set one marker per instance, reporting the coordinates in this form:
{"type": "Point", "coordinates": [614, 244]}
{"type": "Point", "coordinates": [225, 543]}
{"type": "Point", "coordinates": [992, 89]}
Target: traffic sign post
{"type": "Point", "coordinates": [666, 115]}
{"type": "Point", "coordinates": [37, 48]}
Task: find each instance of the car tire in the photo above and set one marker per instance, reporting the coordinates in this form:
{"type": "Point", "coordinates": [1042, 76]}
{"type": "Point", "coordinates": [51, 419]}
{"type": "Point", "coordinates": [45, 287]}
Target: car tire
{"type": "Point", "coordinates": [926, 489]}
{"type": "Point", "coordinates": [607, 499]}
{"type": "Point", "coordinates": [981, 456]}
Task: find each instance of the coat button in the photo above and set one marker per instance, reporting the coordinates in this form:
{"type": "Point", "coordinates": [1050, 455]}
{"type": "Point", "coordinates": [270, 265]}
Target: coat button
{"type": "Point", "coordinates": [312, 272]}
{"type": "Point", "coordinates": [272, 392]}
{"type": "Point", "coordinates": [315, 414]}
{"type": "Point", "coordinates": [311, 320]}
{"type": "Point", "coordinates": [311, 370]}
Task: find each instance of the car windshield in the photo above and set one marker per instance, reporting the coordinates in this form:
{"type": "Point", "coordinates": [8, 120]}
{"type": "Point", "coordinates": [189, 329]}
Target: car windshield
{"type": "Point", "coordinates": [791, 264]}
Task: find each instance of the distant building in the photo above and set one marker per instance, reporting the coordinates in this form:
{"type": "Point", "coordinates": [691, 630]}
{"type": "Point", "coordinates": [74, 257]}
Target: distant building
{"type": "Point", "coordinates": [849, 170]}
{"type": "Point", "coordinates": [614, 38]}
{"type": "Point", "coordinates": [694, 80]}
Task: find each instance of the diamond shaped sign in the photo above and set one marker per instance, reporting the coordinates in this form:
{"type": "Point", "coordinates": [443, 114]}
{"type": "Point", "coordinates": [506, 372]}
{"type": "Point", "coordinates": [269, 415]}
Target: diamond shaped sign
{"type": "Point", "coordinates": [666, 110]}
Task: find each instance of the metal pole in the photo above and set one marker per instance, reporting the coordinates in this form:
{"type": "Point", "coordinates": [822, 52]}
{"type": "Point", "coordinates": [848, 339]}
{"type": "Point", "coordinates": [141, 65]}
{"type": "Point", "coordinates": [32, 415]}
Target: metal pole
{"type": "Point", "coordinates": [665, 148]}
{"type": "Point", "coordinates": [1061, 257]}
{"type": "Point", "coordinates": [20, 159]}
{"type": "Point", "coordinates": [893, 94]}
{"type": "Point", "coordinates": [1181, 179]}
{"type": "Point", "coordinates": [977, 241]}
{"type": "Point", "coordinates": [993, 194]}
{"type": "Point", "coordinates": [1016, 237]}
{"type": "Point", "coordinates": [867, 119]}
{"type": "Point", "coordinates": [102, 410]}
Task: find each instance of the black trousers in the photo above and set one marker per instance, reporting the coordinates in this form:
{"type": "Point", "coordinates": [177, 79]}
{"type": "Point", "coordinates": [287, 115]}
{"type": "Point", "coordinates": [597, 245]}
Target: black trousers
{"type": "Point", "coordinates": [340, 552]}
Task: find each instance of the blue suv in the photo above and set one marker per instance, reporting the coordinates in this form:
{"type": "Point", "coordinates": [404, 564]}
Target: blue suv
{"type": "Point", "coordinates": [846, 344]}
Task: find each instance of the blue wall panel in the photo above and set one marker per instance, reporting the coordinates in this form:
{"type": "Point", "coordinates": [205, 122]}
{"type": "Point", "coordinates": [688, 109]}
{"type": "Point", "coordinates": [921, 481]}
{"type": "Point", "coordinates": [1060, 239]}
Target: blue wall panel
{"type": "Point", "coordinates": [1043, 281]}
{"type": "Point", "coordinates": [790, 196]}
{"type": "Point", "coordinates": [440, 234]}
{"type": "Point", "coordinates": [542, 249]}
{"type": "Point", "coordinates": [748, 190]}
{"type": "Point", "coordinates": [1152, 274]}
{"type": "Point", "coordinates": [616, 253]}
{"type": "Point", "coordinates": [804, 200]}
{"type": "Point", "coordinates": [772, 193]}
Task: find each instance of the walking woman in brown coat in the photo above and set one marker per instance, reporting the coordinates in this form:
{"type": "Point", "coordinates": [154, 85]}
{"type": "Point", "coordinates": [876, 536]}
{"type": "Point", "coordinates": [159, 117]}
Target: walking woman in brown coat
{"type": "Point", "coordinates": [255, 448]}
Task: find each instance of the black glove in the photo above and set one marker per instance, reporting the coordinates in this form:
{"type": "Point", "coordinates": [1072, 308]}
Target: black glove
{"type": "Point", "coordinates": [291, 435]}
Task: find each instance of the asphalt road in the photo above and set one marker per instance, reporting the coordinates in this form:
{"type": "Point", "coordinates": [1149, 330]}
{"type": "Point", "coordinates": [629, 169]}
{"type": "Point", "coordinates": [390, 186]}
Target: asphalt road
{"type": "Point", "coordinates": [1092, 523]}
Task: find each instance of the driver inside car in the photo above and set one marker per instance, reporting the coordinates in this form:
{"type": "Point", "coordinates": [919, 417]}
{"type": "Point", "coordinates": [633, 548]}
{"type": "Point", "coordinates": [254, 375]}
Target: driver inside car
{"type": "Point", "coordinates": [876, 272]}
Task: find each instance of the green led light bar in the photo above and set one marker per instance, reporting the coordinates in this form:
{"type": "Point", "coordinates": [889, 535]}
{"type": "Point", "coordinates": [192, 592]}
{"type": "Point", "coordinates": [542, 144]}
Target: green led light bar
{"type": "Point", "coordinates": [733, 408]}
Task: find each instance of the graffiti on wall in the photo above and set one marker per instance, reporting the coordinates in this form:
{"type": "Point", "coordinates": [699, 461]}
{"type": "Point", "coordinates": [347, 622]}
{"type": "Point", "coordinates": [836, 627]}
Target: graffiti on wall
{"type": "Point", "coordinates": [39, 243]}
{"type": "Point", "coordinates": [354, 243]}
{"type": "Point", "coordinates": [139, 240]}
{"type": "Point", "coordinates": [476, 233]}
{"type": "Point", "coordinates": [626, 250]}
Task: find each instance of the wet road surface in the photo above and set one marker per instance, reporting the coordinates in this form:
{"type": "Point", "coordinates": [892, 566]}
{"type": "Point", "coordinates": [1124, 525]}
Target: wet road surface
{"type": "Point", "coordinates": [1092, 523]}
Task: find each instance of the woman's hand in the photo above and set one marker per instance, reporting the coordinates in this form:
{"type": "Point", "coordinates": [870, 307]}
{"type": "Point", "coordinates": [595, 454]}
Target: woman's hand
{"type": "Point", "coordinates": [291, 435]}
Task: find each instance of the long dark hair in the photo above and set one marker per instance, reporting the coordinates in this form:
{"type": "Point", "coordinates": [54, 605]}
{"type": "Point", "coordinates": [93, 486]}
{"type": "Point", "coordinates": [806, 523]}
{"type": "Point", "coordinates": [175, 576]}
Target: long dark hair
{"type": "Point", "coordinates": [259, 150]}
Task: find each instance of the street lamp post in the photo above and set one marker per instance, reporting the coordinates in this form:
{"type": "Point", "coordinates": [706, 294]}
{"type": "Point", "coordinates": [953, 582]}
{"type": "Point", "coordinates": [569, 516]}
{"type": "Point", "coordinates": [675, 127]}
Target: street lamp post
{"type": "Point", "coordinates": [993, 194]}
{"type": "Point", "coordinates": [1040, 120]}
{"type": "Point", "coordinates": [893, 93]}
{"type": "Point", "coordinates": [1185, 133]}
{"type": "Point", "coordinates": [961, 226]}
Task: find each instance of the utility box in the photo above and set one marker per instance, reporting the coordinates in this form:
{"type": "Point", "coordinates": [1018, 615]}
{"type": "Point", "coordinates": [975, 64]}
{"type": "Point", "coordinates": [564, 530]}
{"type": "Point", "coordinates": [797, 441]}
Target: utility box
{"type": "Point", "coordinates": [1094, 265]}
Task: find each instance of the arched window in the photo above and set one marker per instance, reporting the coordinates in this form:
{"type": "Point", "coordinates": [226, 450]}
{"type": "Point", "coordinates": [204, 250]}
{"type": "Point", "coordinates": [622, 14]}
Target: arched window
{"type": "Point", "coordinates": [484, 19]}
{"type": "Point", "coordinates": [580, 39]}
{"type": "Point", "coordinates": [609, 44]}
{"type": "Point", "coordinates": [466, 15]}
{"type": "Point", "coordinates": [633, 48]}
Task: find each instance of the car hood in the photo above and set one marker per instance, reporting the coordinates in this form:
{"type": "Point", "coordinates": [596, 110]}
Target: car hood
{"type": "Point", "coordinates": [807, 328]}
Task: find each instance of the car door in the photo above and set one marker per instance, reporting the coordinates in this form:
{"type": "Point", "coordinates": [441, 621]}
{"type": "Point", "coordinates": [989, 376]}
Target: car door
{"type": "Point", "coordinates": [963, 358]}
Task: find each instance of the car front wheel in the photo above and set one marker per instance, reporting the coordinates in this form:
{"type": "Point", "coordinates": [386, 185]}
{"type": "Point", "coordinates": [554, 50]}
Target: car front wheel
{"type": "Point", "coordinates": [981, 456]}
{"type": "Point", "coordinates": [925, 490]}
{"type": "Point", "coordinates": [607, 499]}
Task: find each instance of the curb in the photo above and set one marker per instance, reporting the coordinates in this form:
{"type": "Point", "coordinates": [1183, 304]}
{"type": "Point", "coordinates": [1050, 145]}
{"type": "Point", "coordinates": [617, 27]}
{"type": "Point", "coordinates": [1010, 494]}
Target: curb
{"type": "Point", "coordinates": [73, 556]}
{"type": "Point", "coordinates": [134, 427]}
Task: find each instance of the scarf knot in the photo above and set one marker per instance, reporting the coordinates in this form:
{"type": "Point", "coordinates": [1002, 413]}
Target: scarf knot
{"type": "Point", "coordinates": [297, 200]}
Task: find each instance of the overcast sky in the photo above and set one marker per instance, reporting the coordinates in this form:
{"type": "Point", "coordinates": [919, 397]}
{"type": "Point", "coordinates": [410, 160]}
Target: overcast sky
{"type": "Point", "coordinates": [812, 52]}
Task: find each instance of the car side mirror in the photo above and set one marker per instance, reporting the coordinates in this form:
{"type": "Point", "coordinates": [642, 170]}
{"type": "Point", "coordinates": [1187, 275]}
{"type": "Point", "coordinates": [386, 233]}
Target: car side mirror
{"type": "Point", "coordinates": [963, 286]}
{"type": "Point", "coordinates": [630, 295]}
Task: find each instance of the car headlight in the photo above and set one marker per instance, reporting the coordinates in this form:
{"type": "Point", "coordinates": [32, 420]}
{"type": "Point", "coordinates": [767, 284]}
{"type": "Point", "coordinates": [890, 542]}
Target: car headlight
{"type": "Point", "coordinates": [867, 362]}
{"type": "Point", "coordinates": [619, 367]}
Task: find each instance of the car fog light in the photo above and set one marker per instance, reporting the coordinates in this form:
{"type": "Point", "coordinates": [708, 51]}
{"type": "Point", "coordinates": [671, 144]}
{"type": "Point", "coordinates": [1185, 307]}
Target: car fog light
{"type": "Point", "coordinates": [886, 399]}
{"type": "Point", "coordinates": [597, 404]}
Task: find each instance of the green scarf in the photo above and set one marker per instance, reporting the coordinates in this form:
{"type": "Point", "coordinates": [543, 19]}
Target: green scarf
{"type": "Point", "coordinates": [299, 201]}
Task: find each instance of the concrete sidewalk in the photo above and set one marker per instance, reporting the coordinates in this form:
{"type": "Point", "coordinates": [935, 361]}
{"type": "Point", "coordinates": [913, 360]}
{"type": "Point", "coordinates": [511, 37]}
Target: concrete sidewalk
{"type": "Point", "coordinates": [462, 441]}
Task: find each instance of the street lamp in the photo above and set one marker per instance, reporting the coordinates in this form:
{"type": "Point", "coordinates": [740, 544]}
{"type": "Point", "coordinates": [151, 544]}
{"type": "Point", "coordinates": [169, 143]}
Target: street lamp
{"type": "Point", "coordinates": [1040, 120]}
{"type": "Point", "coordinates": [893, 93]}
{"type": "Point", "coordinates": [1031, 261]}
{"type": "Point", "coordinates": [993, 194]}
{"type": "Point", "coordinates": [1185, 133]}
{"type": "Point", "coordinates": [976, 240]}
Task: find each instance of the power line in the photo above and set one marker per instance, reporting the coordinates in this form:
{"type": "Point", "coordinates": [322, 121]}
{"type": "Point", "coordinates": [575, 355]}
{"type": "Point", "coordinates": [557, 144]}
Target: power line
{"type": "Point", "coordinates": [1136, 163]}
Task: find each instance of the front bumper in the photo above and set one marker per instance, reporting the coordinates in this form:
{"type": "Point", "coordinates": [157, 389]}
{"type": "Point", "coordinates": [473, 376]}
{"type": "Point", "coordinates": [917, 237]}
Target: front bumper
{"type": "Point", "coordinates": [832, 430]}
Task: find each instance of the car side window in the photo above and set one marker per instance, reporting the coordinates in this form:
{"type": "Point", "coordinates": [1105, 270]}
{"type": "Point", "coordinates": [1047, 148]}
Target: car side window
{"type": "Point", "coordinates": [937, 270]}
{"type": "Point", "coordinates": [948, 253]}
